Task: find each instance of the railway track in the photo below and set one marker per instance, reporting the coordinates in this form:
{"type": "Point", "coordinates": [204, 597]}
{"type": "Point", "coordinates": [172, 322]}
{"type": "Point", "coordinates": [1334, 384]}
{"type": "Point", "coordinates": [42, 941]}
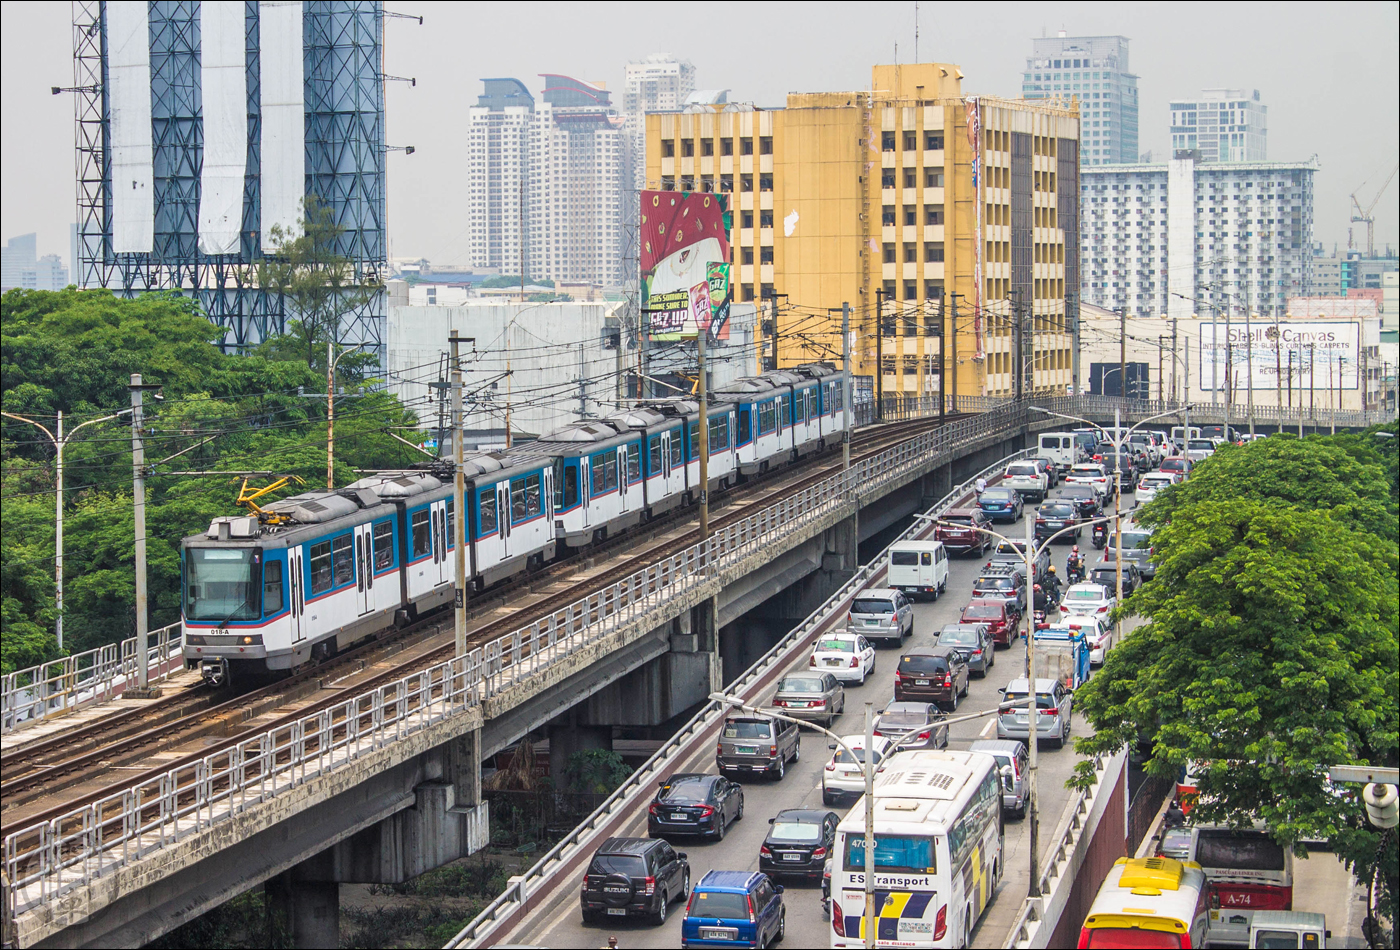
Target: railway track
{"type": "Point", "coordinates": [135, 747]}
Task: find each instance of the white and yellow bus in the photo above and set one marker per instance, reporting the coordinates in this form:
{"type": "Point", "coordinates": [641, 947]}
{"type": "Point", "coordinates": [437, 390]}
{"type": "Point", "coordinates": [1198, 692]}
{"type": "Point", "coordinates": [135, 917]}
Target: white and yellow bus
{"type": "Point", "coordinates": [1149, 904]}
{"type": "Point", "coordinates": [938, 852]}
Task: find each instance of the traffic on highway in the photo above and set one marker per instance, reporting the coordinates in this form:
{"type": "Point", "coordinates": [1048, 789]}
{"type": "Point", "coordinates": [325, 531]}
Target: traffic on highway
{"type": "Point", "coordinates": [731, 848]}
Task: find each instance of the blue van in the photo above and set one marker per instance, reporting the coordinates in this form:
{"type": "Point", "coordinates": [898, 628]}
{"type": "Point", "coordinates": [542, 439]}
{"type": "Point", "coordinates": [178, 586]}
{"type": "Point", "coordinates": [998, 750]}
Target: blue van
{"type": "Point", "coordinates": [734, 909]}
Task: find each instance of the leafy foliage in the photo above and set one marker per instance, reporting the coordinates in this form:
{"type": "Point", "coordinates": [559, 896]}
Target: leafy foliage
{"type": "Point", "coordinates": [74, 351]}
{"type": "Point", "coordinates": [1271, 648]}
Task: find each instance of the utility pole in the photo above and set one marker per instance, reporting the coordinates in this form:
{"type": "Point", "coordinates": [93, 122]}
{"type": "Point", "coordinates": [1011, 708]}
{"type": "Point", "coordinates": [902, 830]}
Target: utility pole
{"type": "Point", "coordinates": [704, 432]}
{"type": "Point", "coordinates": [942, 367]}
{"type": "Point", "coordinates": [1249, 366]}
{"type": "Point", "coordinates": [879, 354]}
{"type": "Point", "coordinates": [1074, 330]}
{"type": "Point", "coordinates": [1278, 372]}
{"type": "Point", "coordinates": [459, 499]}
{"type": "Point", "coordinates": [953, 354]}
{"type": "Point", "coordinates": [1161, 381]}
{"type": "Point", "coordinates": [1229, 374]}
{"type": "Point", "coordinates": [1123, 351]}
{"type": "Point", "coordinates": [846, 409]}
{"type": "Point", "coordinates": [1018, 353]}
{"type": "Point", "coordinates": [1032, 804]}
{"type": "Point", "coordinates": [582, 386]}
{"type": "Point", "coordinates": [331, 360]}
{"type": "Point", "coordinates": [774, 311]}
{"type": "Point", "coordinates": [1312, 388]}
{"type": "Point", "coordinates": [143, 690]}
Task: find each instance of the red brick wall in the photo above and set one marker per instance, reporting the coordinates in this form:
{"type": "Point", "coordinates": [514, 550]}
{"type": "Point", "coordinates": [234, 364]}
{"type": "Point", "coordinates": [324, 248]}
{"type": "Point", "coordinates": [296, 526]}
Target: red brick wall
{"type": "Point", "coordinates": [1108, 845]}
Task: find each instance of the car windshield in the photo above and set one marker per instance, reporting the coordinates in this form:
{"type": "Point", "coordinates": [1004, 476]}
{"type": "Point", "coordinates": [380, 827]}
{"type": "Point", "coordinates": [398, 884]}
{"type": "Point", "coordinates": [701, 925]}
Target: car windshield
{"type": "Point", "coordinates": [796, 830]}
{"type": "Point", "coordinates": [1083, 593]}
{"type": "Point", "coordinates": [719, 904]}
{"type": "Point", "coordinates": [903, 720]}
{"type": "Point", "coordinates": [958, 519]}
{"type": "Point", "coordinates": [997, 494]}
{"type": "Point", "coordinates": [958, 636]}
{"type": "Point", "coordinates": [872, 605]}
{"type": "Point", "coordinates": [632, 865]}
{"type": "Point", "coordinates": [1027, 468]}
{"type": "Point", "coordinates": [686, 790]}
{"type": "Point", "coordinates": [835, 646]}
{"type": "Point", "coordinates": [996, 582]}
{"type": "Point", "coordinates": [1201, 444]}
{"type": "Point", "coordinates": [1042, 700]}
{"type": "Point", "coordinates": [846, 758]}
{"type": "Point", "coordinates": [983, 612]}
{"type": "Point", "coordinates": [746, 729]}
{"type": "Point", "coordinates": [1056, 511]}
{"type": "Point", "coordinates": [800, 684]}
{"type": "Point", "coordinates": [921, 663]}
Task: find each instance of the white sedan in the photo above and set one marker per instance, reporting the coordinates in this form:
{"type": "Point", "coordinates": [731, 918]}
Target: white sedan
{"type": "Point", "coordinates": [847, 656]}
{"type": "Point", "coordinates": [1097, 631]}
{"type": "Point", "coordinates": [1150, 484]}
{"type": "Point", "coordinates": [845, 774]}
{"type": "Point", "coordinates": [1094, 599]}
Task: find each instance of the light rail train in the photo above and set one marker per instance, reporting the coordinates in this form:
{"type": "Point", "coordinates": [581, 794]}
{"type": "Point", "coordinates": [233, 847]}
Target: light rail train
{"type": "Point", "coordinates": [314, 573]}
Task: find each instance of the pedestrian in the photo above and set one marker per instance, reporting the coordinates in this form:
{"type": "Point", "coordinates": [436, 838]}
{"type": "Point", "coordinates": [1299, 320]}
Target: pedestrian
{"type": "Point", "coordinates": [981, 485]}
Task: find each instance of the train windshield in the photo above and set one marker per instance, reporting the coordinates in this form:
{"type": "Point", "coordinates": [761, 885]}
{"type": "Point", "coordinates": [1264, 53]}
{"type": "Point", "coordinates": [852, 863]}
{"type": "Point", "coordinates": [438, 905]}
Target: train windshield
{"type": "Point", "coordinates": [221, 584]}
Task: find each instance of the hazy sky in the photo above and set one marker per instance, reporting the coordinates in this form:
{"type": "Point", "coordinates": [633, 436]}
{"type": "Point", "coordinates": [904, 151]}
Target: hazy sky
{"type": "Point", "coordinates": [1327, 75]}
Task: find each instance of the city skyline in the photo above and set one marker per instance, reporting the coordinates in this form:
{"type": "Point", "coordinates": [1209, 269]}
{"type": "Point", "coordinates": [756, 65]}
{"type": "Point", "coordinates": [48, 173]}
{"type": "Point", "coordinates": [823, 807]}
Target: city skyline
{"type": "Point", "coordinates": [1314, 111]}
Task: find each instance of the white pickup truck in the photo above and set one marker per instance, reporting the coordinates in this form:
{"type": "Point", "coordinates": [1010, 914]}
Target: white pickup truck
{"type": "Point", "coordinates": [1027, 479]}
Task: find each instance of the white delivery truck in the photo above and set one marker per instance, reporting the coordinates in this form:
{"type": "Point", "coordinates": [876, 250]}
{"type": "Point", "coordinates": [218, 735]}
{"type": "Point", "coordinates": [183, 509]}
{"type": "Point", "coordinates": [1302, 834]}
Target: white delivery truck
{"type": "Point", "coordinates": [918, 567]}
{"type": "Point", "coordinates": [1063, 449]}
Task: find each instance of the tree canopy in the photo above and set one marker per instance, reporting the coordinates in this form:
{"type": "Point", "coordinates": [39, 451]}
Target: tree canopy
{"type": "Point", "coordinates": [1270, 648]}
{"type": "Point", "coordinates": [74, 351]}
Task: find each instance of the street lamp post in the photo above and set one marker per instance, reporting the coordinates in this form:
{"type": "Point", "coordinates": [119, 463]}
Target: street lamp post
{"type": "Point", "coordinates": [60, 441]}
{"type": "Point", "coordinates": [867, 773]}
{"type": "Point", "coordinates": [331, 361]}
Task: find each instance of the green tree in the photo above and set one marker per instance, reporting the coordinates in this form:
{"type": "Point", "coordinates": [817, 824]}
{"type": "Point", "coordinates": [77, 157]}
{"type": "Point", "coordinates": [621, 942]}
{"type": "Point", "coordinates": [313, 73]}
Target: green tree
{"type": "Point", "coordinates": [318, 283]}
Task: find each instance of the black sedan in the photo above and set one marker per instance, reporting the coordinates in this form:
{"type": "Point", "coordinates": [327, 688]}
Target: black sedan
{"type": "Point", "coordinates": [1056, 516]}
{"type": "Point", "coordinates": [1085, 500]}
{"type": "Point", "coordinates": [798, 843]}
{"type": "Point", "coordinates": [691, 803]}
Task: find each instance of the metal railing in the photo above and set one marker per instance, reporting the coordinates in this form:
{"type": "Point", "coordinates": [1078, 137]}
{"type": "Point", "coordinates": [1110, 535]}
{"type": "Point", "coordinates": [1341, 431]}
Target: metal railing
{"type": "Point", "coordinates": [46, 860]}
{"type": "Point", "coordinates": [59, 686]}
{"type": "Point", "coordinates": [641, 782]}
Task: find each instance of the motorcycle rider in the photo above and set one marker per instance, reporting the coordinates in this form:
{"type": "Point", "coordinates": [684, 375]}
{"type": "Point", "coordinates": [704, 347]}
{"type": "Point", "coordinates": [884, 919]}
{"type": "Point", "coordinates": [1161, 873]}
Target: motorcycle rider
{"type": "Point", "coordinates": [1075, 567]}
{"type": "Point", "coordinates": [1052, 586]}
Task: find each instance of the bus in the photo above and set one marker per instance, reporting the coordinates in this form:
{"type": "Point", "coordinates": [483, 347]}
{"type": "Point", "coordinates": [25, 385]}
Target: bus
{"type": "Point", "coordinates": [1147, 904]}
{"type": "Point", "coordinates": [938, 852]}
{"type": "Point", "coordinates": [1247, 871]}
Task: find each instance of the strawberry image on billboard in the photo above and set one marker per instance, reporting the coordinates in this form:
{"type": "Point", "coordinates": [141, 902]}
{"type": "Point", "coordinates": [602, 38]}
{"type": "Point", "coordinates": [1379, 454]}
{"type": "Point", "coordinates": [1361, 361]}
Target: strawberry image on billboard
{"type": "Point", "coordinates": [685, 242]}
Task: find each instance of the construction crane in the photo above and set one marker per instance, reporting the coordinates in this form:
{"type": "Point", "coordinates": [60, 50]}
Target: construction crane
{"type": "Point", "coordinates": [1365, 216]}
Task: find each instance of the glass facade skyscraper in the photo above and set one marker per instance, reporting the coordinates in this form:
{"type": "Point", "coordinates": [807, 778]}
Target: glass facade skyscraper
{"type": "Point", "coordinates": [1093, 69]}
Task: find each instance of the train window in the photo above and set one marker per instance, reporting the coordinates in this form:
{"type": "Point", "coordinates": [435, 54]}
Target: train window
{"type": "Point", "coordinates": [343, 559]}
{"type": "Point", "coordinates": [488, 510]}
{"type": "Point", "coordinates": [767, 416]}
{"type": "Point", "coordinates": [838, 396]}
{"type": "Point", "coordinates": [383, 545]}
{"type": "Point", "coordinates": [450, 528]}
{"type": "Point", "coordinates": [422, 534]}
{"type": "Point", "coordinates": [787, 408]}
{"type": "Point", "coordinates": [272, 587]}
{"type": "Point", "coordinates": [745, 418]}
{"type": "Point", "coordinates": [558, 484]}
{"type": "Point", "coordinates": [571, 485]}
{"type": "Point", "coordinates": [694, 441]}
{"type": "Point", "coordinates": [524, 498]}
{"type": "Point", "coordinates": [654, 456]}
{"type": "Point", "coordinates": [321, 567]}
{"type": "Point", "coordinates": [634, 463]}
{"type": "Point", "coordinates": [719, 434]}
{"type": "Point", "coordinates": [604, 472]}
{"type": "Point", "coordinates": [676, 452]}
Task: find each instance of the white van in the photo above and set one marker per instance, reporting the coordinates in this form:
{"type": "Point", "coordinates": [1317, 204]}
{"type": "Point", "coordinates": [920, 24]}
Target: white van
{"type": "Point", "coordinates": [1180, 436]}
{"type": "Point", "coordinates": [918, 567]}
{"type": "Point", "coordinates": [1062, 448]}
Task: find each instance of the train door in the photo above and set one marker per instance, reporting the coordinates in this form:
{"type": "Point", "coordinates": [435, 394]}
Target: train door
{"type": "Point", "coordinates": [442, 570]}
{"type": "Point", "coordinates": [503, 506]}
{"type": "Point", "coordinates": [585, 487]}
{"type": "Point", "coordinates": [297, 579]}
{"type": "Point", "coordinates": [364, 568]}
{"type": "Point", "coordinates": [622, 474]}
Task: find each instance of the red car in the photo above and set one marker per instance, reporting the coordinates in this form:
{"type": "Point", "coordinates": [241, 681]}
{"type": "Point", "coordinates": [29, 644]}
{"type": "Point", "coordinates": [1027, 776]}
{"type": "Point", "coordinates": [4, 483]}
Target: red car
{"type": "Point", "coordinates": [956, 532]}
{"type": "Point", "coordinates": [1002, 616]}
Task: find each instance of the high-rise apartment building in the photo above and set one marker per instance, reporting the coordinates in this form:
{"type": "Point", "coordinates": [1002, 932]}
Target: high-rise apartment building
{"type": "Point", "coordinates": [1224, 125]}
{"type": "Point", "coordinates": [16, 260]}
{"type": "Point", "coordinates": [954, 217]}
{"type": "Point", "coordinates": [1185, 237]}
{"type": "Point", "coordinates": [658, 83]}
{"type": "Point", "coordinates": [499, 127]}
{"type": "Point", "coordinates": [1094, 70]}
{"type": "Point", "coordinates": [49, 273]}
{"type": "Point", "coordinates": [544, 181]}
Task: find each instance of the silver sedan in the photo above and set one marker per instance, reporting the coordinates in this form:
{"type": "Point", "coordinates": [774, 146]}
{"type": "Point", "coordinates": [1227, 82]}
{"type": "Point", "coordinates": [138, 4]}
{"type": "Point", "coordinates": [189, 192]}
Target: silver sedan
{"type": "Point", "coordinates": [816, 697]}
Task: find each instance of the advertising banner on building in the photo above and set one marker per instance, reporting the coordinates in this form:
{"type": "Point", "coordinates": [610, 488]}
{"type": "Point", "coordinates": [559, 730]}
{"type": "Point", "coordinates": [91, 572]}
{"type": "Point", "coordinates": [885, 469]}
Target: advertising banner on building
{"type": "Point", "coordinates": [1272, 356]}
{"type": "Point", "coordinates": [684, 248]}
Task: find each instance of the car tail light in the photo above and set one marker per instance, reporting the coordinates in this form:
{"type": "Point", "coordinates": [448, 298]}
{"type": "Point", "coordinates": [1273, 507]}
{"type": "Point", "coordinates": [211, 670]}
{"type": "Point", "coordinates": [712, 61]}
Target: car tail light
{"type": "Point", "coordinates": [855, 661]}
{"type": "Point", "coordinates": [899, 676]}
{"type": "Point", "coordinates": [819, 853]}
{"type": "Point", "coordinates": [816, 703]}
{"type": "Point", "coordinates": [1053, 713]}
{"type": "Point", "coordinates": [922, 737]}
{"type": "Point", "coordinates": [706, 811]}
{"type": "Point", "coordinates": [780, 702]}
{"type": "Point", "coordinates": [940, 923]}
{"type": "Point", "coordinates": [772, 750]}
{"type": "Point", "coordinates": [812, 661]}
{"type": "Point", "coordinates": [831, 766]}
{"type": "Point", "coordinates": [763, 852]}
{"type": "Point", "coordinates": [651, 885]}
{"type": "Point", "coordinates": [719, 749]}
{"type": "Point", "coordinates": [752, 918]}
{"type": "Point", "coordinates": [654, 809]}
{"type": "Point", "coordinates": [1040, 521]}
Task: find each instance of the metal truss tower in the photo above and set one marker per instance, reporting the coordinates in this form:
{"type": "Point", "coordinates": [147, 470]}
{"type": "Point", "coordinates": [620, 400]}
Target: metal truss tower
{"type": "Point", "coordinates": [345, 161]}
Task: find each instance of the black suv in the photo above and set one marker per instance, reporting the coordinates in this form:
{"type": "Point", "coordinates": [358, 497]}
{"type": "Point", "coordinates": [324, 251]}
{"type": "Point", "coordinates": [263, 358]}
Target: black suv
{"type": "Point", "coordinates": [633, 877]}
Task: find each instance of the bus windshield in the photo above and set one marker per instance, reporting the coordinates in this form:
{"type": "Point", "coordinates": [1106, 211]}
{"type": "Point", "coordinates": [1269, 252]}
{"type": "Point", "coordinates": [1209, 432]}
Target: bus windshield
{"type": "Point", "coordinates": [1244, 851]}
{"type": "Point", "coordinates": [220, 584]}
{"type": "Point", "coordinates": [895, 853]}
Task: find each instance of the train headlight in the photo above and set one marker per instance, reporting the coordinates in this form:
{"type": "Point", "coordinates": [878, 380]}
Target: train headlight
{"type": "Point", "coordinates": [194, 639]}
{"type": "Point", "coordinates": [254, 639]}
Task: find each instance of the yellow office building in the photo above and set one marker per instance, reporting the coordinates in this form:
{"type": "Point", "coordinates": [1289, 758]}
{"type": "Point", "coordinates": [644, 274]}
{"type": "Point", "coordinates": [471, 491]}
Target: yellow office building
{"type": "Point", "coordinates": [883, 199]}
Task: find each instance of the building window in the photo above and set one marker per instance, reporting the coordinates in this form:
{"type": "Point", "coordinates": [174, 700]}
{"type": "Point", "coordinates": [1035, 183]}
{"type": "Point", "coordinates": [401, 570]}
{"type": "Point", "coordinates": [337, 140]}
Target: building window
{"type": "Point", "coordinates": [933, 253]}
{"type": "Point", "coordinates": [887, 216]}
{"type": "Point", "coordinates": [887, 178]}
{"type": "Point", "coordinates": [726, 146]}
{"type": "Point", "coordinates": [765, 219]}
{"type": "Point", "coordinates": [911, 292]}
{"type": "Point", "coordinates": [911, 253]}
{"type": "Point", "coordinates": [933, 141]}
{"type": "Point", "coordinates": [933, 291]}
{"type": "Point", "coordinates": [889, 253]}
{"type": "Point", "coordinates": [707, 148]}
{"type": "Point", "coordinates": [933, 215]}
{"type": "Point", "coordinates": [688, 149]}
{"type": "Point", "coordinates": [768, 292]}
{"type": "Point", "coordinates": [748, 255]}
{"type": "Point", "coordinates": [887, 141]}
{"type": "Point", "coordinates": [726, 184]}
{"type": "Point", "coordinates": [910, 178]}
{"type": "Point", "coordinates": [688, 183]}
{"type": "Point", "coordinates": [933, 178]}
{"type": "Point", "coordinates": [911, 141]}
{"type": "Point", "coordinates": [765, 182]}
{"type": "Point", "coordinates": [746, 219]}
{"type": "Point", "coordinates": [668, 183]}
{"type": "Point", "coordinates": [911, 215]}
{"type": "Point", "coordinates": [765, 145]}
{"type": "Point", "coordinates": [765, 254]}
{"type": "Point", "coordinates": [746, 146]}
{"type": "Point", "coordinates": [746, 183]}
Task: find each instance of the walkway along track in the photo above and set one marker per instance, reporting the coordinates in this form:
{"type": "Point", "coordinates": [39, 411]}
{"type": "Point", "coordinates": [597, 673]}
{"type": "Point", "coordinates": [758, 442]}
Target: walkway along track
{"type": "Point", "coordinates": [88, 764]}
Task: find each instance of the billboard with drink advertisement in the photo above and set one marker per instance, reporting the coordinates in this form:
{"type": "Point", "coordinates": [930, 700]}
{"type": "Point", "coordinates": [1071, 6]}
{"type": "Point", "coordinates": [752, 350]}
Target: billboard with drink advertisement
{"type": "Point", "coordinates": [685, 264]}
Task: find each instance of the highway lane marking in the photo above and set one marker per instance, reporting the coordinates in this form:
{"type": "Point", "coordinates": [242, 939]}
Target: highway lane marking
{"type": "Point", "coordinates": [987, 728]}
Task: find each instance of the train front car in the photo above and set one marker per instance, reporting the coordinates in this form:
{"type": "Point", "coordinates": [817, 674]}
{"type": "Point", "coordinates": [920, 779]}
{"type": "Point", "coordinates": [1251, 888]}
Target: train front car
{"type": "Point", "coordinates": [300, 579]}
